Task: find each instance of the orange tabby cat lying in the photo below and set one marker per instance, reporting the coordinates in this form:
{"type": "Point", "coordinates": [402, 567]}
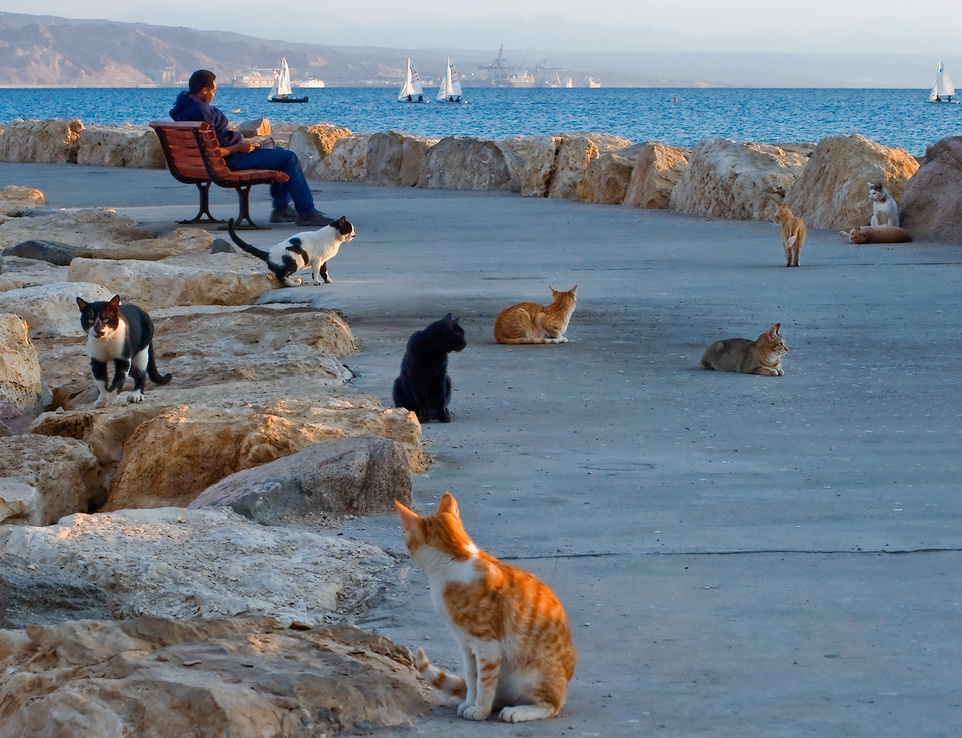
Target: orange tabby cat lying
{"type": "Point", "coordinates": [529, 322]}
{"type": "Point", "coordinates": [761, 356]}
{"type": "Point", "coordinates": [793, 234]}
{"type": "Point", "coordinates": [513, 631]}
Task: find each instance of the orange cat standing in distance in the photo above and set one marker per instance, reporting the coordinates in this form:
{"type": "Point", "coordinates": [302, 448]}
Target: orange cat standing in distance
{"type": "Point", "coordinates": [529, 322]}
{"type": "Point", "coordinates": [793, 234]}
{"type": "Point", "coordinates": [512, 629]}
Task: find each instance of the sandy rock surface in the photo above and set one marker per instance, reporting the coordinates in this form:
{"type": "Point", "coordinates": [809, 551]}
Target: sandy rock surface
{"type": "Point", "coordinates": [21, 384]}
{"type": "Point", "coordinates": [43, 141]}
{"type": "Point", "coordinates": [657, 170]}
{"type": "Point", "coordinates": [244, 678]}
{"type": "Point", "coordinates": [931, 206]}
{"type": "Point", "coordinates": [172, 562]}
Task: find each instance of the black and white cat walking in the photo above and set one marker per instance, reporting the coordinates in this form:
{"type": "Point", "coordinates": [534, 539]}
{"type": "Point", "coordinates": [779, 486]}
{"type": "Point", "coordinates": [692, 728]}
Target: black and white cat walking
{"type": "Point", "coordinates": [122, 334]}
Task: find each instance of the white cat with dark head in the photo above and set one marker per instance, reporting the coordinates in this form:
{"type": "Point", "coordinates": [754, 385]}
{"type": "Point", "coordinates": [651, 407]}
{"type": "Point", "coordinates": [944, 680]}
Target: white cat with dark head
{"type": "Point", "coordinates": [884, 209]}
{"type": "Point", "coordinates": [122, 335]}
{"type": "Point", "coordinates": [314, 248]}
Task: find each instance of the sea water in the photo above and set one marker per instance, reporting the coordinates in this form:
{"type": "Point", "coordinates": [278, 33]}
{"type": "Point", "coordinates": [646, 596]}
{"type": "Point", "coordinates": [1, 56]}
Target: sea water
{"type": "Point", "coordinates": [679, 117]}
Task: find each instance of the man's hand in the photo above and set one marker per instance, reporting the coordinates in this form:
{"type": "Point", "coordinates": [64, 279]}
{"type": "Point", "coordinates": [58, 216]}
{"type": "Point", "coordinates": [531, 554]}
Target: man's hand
{"type": "Point", "coordinates": [244, 147]}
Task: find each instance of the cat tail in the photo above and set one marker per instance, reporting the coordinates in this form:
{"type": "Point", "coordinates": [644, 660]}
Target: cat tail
{"type": "Point", "coordinates": [453, 685]}
{"type": "Point", "coordinates": [252, 250]}
{"type": "Point", "coordinates": [155, 376]}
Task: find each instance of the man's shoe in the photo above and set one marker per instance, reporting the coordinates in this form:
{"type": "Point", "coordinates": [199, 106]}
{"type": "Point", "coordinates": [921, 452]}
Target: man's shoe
{"type": "Point", "coordinates": [315, 219]}
{"type": "Point", "coordinates": [287, 215]}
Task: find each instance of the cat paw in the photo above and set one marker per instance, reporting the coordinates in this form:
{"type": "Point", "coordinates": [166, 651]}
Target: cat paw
{"type": "Point", "coordinates": [104, 401]}
{"type": "Point", "coordinates": [444, 416]}
{"type": "Point", "coordinates": [135, 396]}
{"type": "Point", "coordinates": [473, 712]}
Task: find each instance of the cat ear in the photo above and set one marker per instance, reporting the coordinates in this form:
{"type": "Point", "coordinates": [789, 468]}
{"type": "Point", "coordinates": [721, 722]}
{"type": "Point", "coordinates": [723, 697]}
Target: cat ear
{"type": "Point", "coordinates": [114, 302]}
{"type": "Point", "coordinates": [82, 303]}
{"type": "Point", "coordinates": [449, 505]}
{"type": "Point", "coordinates": [774, 331]}
{"type": "Point", "coordinates": [573, 289]}
{"type": "Point", "coordinates": [448, 317]}
{"type": "Point", "coordinates": [409, 518]}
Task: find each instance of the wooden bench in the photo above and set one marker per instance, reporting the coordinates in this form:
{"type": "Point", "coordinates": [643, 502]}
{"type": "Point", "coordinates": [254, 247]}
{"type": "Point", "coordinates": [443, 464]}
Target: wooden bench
{"type": "Point", "coordinates": [193, 157]}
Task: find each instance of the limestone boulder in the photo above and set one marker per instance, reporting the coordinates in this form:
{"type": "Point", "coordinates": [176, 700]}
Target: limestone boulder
{"type": "Point", "coordinates": [120, 146]}
{"type": "Point", "coordinates": [20, 504]}
{"type": "Point", "coordinates": [173, 457]}
{"type": "Point", "coordinates": [395, 158]}
{"type": "Point", "coordinates": [574, 155]}
{"type": "Point", "coordinates": [606, 178]}
{"type": "Point", "coordinates": [215, 279]}
{"type": "Point", "coordinates": [20, 382]}
{"type": "Point", "coordinates": [357, 476]}
{"type": "Point", "coordinates": [658, 168]}
{"type": "Point", "coordinates": [92, 229]}
{"type": "Point", "coordinates": [51, 310]}
{"type": "Point", "coordinates": [40, 594]}
{"type": "Point", "coordinates": [53, 252]}
{"type": "Point", "coordinates": [737, 180]}
{"type": "Point", "coordinates": [209, 563]}
{"type": "Point", "coordinates": [456, 163]}
{"type": "Point", "coordinates": [347, 161]}
{"type": "Point", "coordinates": [16, 200]}
{"type": "Point", "coordinates": [244, 678]}
{"type": "Point", "coordinates": [19, 273]}
{"type": "Point", "coordinates": [539, 165]}
{"type": "Point", "coordinates": [255, 127]}
{"type": "Point", "coordinates": [41, 141]}
{"type": "Point", "coordinates": [314, 143]}
{"type": "Point", "coordinates": [63, 471]}
{"type": "Point", "coordinates": [832, 191]}
{"type": "Point", "coordinates": [932, 200]}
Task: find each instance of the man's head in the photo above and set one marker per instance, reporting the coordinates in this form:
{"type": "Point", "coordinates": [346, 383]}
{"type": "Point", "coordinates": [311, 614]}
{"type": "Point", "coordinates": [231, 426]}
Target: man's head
{"type": "Point", "coordinates": [202, 85]}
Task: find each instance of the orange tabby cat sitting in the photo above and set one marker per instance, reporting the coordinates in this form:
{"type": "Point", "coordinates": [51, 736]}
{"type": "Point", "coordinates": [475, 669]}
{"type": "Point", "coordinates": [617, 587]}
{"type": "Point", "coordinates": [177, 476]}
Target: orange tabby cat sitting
{"type": "Point", "coordinates": [512, 629]}
{"type": "Point", "coordinates": [793, 234]}
{"type": "Point", "coordinates": [529, 322]}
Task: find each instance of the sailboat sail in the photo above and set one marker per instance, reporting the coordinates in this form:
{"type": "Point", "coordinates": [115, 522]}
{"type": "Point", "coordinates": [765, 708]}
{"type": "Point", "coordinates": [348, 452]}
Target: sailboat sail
{"type": "Point", "coordinates": [942, 89]}
{"type": "Point", "coordinates": [412, 84]}
{"type": "Point", "coordinates": [450, 89]}
{"type": "Point", "coordinates": [282, 82]}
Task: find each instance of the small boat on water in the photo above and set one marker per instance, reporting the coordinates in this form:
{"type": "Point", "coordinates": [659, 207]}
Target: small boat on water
{"type": "Point", "coordinates": [411, 91]}
{"type": "Point", "coordinates": [450, 89]}
{"type": "Point", "coordinates": [942, 90]}
{"type": "Point", "coordinates": [281, 92]}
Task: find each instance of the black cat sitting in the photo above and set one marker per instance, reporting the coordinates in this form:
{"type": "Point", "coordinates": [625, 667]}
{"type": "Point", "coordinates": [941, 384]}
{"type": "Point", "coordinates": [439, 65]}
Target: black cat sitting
{"type": "Point", "coordinates": [424, 385]}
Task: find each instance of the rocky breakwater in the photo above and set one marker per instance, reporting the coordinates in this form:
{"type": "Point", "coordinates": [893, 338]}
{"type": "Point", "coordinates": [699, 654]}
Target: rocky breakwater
{"type": "Point", "coordinates": [824, 183]}
{"type": "Point", "coordinates": [93, 502]}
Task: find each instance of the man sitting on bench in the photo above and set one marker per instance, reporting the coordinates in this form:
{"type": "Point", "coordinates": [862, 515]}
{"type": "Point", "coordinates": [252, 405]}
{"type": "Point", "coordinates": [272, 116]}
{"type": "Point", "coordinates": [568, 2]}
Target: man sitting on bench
{"type": "Point", "coordinates": [194, 104]}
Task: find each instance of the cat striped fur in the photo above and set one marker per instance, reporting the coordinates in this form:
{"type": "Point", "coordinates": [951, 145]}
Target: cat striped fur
{"type": "Point", "coordinates": [513, 631]}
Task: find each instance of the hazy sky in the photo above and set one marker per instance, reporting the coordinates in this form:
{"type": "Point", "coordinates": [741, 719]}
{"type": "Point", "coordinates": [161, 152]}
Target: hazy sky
{"type": "Point", "coordinates": [836, 26]}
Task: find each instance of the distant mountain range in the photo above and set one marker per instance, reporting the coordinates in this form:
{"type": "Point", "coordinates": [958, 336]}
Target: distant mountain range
{"type": "Point", "coordinates": [45, 51]}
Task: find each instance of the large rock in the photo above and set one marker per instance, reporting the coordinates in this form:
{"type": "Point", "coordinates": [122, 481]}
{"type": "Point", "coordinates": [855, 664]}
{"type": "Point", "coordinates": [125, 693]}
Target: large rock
{"type": "Point", "coordinates": [606, 178]}
{"type": "Point", "coordinates": [736, 180]}
{"type": "Point", "coordinates": [51, 310]}
{"type": "Point", "coordinates": [16, 200]}
{"type": "Point", "coordinates": [658, 168]}
{"type": "Point", "coordinates": [395, 158]}
{"type": "Point", "coordinates": [20, 381]}
{"type": "Point", "coordinates": [20, 504]}
{"type": "Point", "coordinates": [456, 163]}
{"type": "Point", "coordinates": [216, 279]}
{"type": "Point", "coordinates": [314, 143]}
{"type": "Point", "coordinates": [173, 457]}
{"type": "Point", "coordinates": [41, 141]}
{"type": "Point", "coordinates": [53, 252]}
{"type": "Point", "coordinates": [832, 191]}
{"type": "Point", "coordinates": [91, 229]}
{"type": "Point", "coordinates": [120, 146]}
{"type": "Point", "coordinates": [575, 153]}
{"type": "Point", "coordinates": [347, 161]}
{"type": "Point", "coordinates": [222, 349]}
{"type": "Point", "coordinates": [40, 594]}
{"type": "Point", "coordinates": [206, 563]}
{"type": "Point", "coordinates": [932, 201]}
{"type": "Point", "coordinates": [164, 678]}
{"type": "Point", "coordinates": [64, 472]}
{"type": "Point", "coordinates": [357, 476]}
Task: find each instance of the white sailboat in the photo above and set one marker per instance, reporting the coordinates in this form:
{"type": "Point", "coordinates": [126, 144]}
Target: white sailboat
{"type": "Point", "coordinates": [942, 90]}
{"type": "Point", "coordinates": [412, 91]}
{"type": "Point", "coordinates": [450, 89]}
{"type": "Point", "coordinates": [281, 92]}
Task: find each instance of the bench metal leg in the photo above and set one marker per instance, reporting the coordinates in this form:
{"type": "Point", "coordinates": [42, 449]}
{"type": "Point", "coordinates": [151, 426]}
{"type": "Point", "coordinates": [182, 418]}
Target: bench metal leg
{"type": "Point", "coordinates": [204, 189]}
{"type": "Point", "coordinates": [243, 195]}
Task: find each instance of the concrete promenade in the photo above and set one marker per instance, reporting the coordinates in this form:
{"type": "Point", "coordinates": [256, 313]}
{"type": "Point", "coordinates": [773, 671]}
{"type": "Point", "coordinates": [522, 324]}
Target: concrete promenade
{"type": "Point", "coordinates": [738, 555]}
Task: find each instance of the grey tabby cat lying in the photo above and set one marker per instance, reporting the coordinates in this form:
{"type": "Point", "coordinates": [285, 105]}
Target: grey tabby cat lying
{"type": "Point", "coordinates": [761, 356]}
